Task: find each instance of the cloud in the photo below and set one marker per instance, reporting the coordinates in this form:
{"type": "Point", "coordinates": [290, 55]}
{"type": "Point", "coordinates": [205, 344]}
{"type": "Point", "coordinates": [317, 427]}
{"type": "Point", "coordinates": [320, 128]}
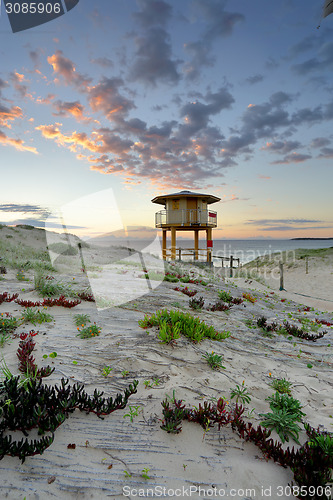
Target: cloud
{"type": "Point", "coordinates": [75, 109]}
{"type": "Point", "coordinates": [153, 13]}
{"type": "Point", "coordinates": [154, 61]}
{"type": "Point", "coordinates": [219, 23]}
{"type": "Point", "coordinates": [252, 80]}
{"type": "Point", "coordinates": [326, 153]}
{"type": "Point", "coordinates": [286, 224]}
{"type": "Point", "coordinates": [8, 115]}
{"type": "Point", "coordinates": [101, 141]}
{"type": "Point", "coordinates": [292, 158]}
{"type": "Point", "coordinates": [282, 147]}
{"type": "Point", "coordinates": [73, 141]}
{"type": "Point", "coordinates": [265, 177]}
{"type": "Point", "coordinates": [106, 98]}
{"type": "Point", "coordinates": [322, 62]}
{"type": "Point", "coordinates": [201, 56]}
{"type": "Point", "coordinates": [3, 84]}
{"type": "Point", "coordinates": [266, 120]}
{"type": "Point", "coordinates": [320, 142]}
{"type": "Point", "coordinates": [197, 114]}
{"type": "Point", "coordinates": [105, 62]}
{"type": "Point", "coordinates": [25, 209]}
{"type": "Point", "coordinates": [16, 143]}
{"type": "Point", "coordinates": [17, 80]}
{"type": "Point", "coordinates": [66, 69]}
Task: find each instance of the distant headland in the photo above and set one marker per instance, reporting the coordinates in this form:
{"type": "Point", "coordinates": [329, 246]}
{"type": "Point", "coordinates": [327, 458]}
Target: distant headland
{"type": "Point", "coordinates": [312, 238]}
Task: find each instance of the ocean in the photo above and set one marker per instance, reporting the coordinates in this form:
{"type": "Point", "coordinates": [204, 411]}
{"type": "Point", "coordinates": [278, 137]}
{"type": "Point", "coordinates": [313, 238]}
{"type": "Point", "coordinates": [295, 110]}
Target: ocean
{"type": "Point", "coordinates": [245, 250]}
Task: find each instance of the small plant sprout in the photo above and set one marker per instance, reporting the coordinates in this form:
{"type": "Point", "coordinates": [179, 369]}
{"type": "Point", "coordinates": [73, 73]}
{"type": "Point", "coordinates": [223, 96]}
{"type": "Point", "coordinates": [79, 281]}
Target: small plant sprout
{"type": "Point", "coordinates": [206, 429]}
{"type": "Point", "coordinates": [241, 393]}
{"type": "Point", "coordinates": [51, 355]}
{"type": "Point", "coordinates": [133, 412]}
{"type": "Point", "coordinates": [127, 474]}
{"type": "Point", "coordinates": [145, 473]}
{"type": "Point", "coordinates": [81, 319]}
{"type": "Point", "coordinates": [124, 373]}
{"type": "Point", "coordinates": [214, 360]}
{"type": "Point", "coordinates": [106, 371]}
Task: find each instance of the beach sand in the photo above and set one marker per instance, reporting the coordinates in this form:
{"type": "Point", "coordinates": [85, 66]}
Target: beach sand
{"type": "Point", "coordinates": [106, 448]}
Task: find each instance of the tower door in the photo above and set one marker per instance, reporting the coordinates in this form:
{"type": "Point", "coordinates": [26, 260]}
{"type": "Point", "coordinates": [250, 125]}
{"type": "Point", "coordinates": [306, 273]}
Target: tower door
{"type": "Point", "coordinates": [192, 214]}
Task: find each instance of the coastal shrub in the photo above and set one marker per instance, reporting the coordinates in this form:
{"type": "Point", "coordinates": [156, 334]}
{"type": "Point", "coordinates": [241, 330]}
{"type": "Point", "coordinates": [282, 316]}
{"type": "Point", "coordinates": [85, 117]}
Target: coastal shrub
{"type": "Point", "coordinates": [85, 295]}
{"type": "Point", "coordinates": [196, 303]}
{"type": "Point", "coordinates": [287, 329]}
{"type": "Point", "coordinates": [27, 364]}
{"type": "Point", "coordinates": [30, 404]}
{"type": "Point", "coordinates": [89, 331]}
{"type": "Point", "coordinates": [49, 302]}
{"type": "Point", "coordinates": [8, 323]}
{"type": "Point", "coordinates": [286, 412]}
{"type": "Point", "coordinates": [219, 306]}
{"type": "Point", "coordinates": [45, 408]}
{"type": "Point", "coordinates": [311, 464]}
{"type": "Point", "coordinates": [225, 296]}
{"type": "Point", "coordinates": [171, 278]}
{"type": "Point", "coordinates": [249, 298]}
{"type": "Point", "coordinates": [186, 291]}
{"type": "Point", "coordinates": [283, 423]}
{"type": "Point", "coordinates": [6, 297]}
{"type": "Point", "coordinates": [168, 333]}
{"type": "Point", "coordinates": [187, 325]}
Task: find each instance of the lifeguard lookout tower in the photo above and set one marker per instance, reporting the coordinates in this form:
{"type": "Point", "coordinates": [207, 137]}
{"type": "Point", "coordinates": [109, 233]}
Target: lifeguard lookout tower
{"type": "Point", "coordinates": [186, 211]}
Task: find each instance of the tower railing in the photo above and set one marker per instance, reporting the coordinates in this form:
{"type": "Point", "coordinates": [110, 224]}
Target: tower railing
{"type": "Point", "coordinates": [187, 218]}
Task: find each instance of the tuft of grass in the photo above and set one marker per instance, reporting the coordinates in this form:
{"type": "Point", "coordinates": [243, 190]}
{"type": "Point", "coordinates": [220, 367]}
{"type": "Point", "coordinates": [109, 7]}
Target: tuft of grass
{"type": "Point", "coordinates": [34, 315]}
{"type": "Point", "coordinates": [49, 288]}
{"type": "Point", "coordinates": [214, 360]}
{"type": "Point", "coordinates": [81, 319]}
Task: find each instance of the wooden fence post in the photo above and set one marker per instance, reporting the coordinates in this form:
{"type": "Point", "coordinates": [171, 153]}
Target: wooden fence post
{"type": "Point", "coordinates": [307, 265]}
{"type": "Point", "coordinates": [281, 276]}
{"type": "Point", "coordinates": [231, 265]}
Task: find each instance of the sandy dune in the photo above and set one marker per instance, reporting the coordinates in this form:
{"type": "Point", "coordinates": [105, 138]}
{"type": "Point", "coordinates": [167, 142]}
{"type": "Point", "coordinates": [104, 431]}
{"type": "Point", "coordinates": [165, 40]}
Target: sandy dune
{"type": "Point", "coordinates": [192, 459]}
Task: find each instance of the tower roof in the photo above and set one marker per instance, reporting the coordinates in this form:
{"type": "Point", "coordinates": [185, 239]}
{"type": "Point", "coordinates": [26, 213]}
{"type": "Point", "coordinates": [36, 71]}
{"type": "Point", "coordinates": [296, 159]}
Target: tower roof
{"type": "Point", "coordinates": [209, 198]}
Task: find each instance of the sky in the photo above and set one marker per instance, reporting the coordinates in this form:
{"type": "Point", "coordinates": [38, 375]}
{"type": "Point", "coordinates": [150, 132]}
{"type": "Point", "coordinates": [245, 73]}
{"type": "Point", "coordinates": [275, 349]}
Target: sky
{"type": "Point", "coordinates": [150, 97]}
